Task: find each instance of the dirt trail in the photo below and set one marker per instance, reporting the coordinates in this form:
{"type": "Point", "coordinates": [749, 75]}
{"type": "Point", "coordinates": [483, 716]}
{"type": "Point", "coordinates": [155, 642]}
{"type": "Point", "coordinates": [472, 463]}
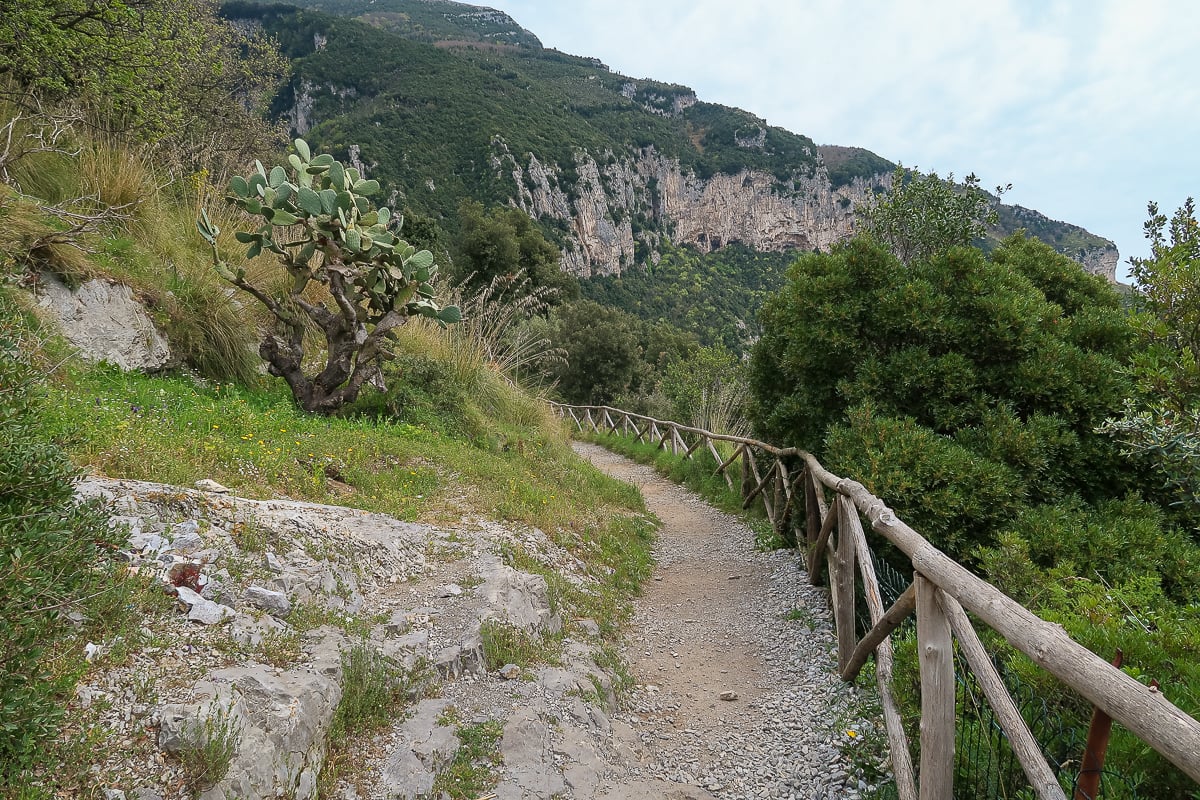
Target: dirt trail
{"type": "Point", "coordinates": [720, 617]}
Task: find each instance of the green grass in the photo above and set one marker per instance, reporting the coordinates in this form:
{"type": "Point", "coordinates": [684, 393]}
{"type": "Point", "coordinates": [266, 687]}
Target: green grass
{"type": "Point", "coordinates": [475, 768]}
{"type": "Point", "coordinates": [375, 692]}
{"type": "Point", "coordinates": [505, 644]}
{"type": "Point", "coordinates": [175, 430]}
{"type": "Point", "coordinates": [214, 742]}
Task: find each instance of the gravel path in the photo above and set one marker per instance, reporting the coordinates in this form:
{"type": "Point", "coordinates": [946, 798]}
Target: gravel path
{"type": "Point", "coordinates": [723, 620]}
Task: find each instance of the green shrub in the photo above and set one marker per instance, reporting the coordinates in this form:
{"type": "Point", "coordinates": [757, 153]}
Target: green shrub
{"type": "Point", "coordinates": [213, 742]}
{"type": "Point", "coordinates": [53, 554]}
{"type": "Point", "coordinates": [475, 767]}
{"type": "Point", "coordinates": [505, 644]}
{"type": "Point", "coordinates": [374, 690]}
{"type": "Point", "coordinates": [950, 494]}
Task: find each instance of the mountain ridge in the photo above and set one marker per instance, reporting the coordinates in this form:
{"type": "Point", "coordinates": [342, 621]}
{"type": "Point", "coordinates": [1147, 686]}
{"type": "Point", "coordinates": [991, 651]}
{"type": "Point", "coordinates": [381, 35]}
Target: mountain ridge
{"type": "Point", "coordinates": [461, 101]}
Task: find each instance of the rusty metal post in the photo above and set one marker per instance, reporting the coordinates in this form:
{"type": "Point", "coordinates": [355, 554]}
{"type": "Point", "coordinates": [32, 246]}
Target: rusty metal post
{"type": "Point", "coordinates": [1088, 785]}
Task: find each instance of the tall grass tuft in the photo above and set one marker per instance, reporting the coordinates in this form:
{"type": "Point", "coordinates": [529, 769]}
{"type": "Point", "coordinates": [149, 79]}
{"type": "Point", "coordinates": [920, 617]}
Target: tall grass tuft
{"type": "Point", "coordinates": [463, 378]}
{"type": "Point", "coordinates": [722, 408]}
{"type": "Point", "coordinates": [115, 175]}
{"type": "Point", "coordinates": [93, 205]}
{"type": "Point", "coordinates": [492, 332]}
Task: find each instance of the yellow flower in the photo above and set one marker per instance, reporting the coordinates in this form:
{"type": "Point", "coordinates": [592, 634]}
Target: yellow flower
{"type": "Point", "coordinates": [852, 734]}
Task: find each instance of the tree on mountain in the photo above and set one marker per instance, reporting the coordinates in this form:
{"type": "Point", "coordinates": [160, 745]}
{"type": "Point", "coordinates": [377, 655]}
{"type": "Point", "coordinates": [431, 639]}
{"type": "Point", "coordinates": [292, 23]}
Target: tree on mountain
{"type": "Point", "coordinates": [1161, 421]}
{"type": "Point", "coordinates": [600, 344]}
{"type": "Point", "coordinates": [707, 388]}
{"type": "Point", "coordinates": [923, 215]}
{"type": "Point", "coordinates": [955, 385]}
{"type": "Point", "coordinates": [165, 71]}
{"type": "Point", "coordinates": [505, 241]}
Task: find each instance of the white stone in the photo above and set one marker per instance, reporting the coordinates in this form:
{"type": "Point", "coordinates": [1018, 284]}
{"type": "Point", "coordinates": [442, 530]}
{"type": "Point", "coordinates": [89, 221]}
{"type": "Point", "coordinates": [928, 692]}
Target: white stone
{"type": "Point", "coordinates": [106, 323]}
{"type": "Point", "coordinates": [274, 602]}
{"type": "Point", "coordinates": [201, 610]}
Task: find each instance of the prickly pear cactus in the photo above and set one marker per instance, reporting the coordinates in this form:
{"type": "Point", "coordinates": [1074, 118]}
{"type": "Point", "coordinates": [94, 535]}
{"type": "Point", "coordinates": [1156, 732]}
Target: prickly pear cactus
{"type": "Point", "coordinates": [319, 221]}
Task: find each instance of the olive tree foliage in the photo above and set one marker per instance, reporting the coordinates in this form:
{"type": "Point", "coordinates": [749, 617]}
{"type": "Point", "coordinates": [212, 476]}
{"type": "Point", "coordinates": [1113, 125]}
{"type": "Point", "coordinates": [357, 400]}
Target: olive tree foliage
{"type": "Point", "coordinates": [960, 387]}
{"type": "Point", "coordinates": [707, 388]}
{"type": "Point", "coordinates": [1161, 421]}
{"type": "Point", "coordinates": [168, 72]}
{"type": "Point", "coordinates": [318, 222]}
{"type": "Point", "coordinates": [506, 241]}
{"type": "Point", "coordinates": [923, 215]}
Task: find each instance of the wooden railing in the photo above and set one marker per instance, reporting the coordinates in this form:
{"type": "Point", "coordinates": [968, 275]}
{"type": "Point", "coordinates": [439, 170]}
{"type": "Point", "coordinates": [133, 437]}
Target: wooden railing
{"type": "Point", "coordinates": [941, 593]}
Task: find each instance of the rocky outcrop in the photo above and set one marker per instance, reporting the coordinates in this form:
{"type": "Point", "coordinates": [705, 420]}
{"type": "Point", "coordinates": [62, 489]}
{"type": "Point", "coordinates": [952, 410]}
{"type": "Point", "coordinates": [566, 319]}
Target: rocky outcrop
{"type": "Point", "coordinates": [246, 664]}
{"type": "Point", "coordinates": [1100, 261]}
{"type": "Point", "coordinates": [105, 322]}
{"type": "Point", "coordinates": [617, 202]}
{"type": "Point", "coordinates": [620, 206]}
{"type": "Point", "coordinates": [299, 117]}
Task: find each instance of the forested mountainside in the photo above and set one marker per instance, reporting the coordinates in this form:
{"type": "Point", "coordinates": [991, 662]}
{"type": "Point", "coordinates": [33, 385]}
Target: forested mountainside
{"type": "Point", "coordinates": [443, 101]}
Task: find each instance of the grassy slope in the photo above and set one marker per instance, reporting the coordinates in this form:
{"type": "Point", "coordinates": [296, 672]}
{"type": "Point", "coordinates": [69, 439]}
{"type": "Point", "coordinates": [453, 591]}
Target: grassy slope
{"type": "Point", "coordinates": [259, 444]}
{"type": "Point", "coordinates": [452, 440]}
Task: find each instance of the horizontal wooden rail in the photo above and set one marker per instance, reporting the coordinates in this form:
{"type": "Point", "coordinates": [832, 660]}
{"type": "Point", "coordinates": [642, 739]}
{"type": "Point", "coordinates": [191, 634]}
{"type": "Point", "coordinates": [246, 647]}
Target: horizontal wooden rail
{"type": "Point", "coordinates": [942, 592]}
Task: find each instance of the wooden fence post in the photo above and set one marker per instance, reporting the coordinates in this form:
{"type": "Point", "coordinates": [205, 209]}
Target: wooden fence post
{"type": "Point", "coordinates": [747, 473]}
{"type": "Point", "coordinates": [935, 652]}
{"type": "Point", "coordinates": [842, 583]}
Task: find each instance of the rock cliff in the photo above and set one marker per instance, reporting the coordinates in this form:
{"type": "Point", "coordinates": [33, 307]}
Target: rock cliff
{"type": "Point", "coordinates": [620, 206]}
{"type": "Point", "coordinates": [619, 202]}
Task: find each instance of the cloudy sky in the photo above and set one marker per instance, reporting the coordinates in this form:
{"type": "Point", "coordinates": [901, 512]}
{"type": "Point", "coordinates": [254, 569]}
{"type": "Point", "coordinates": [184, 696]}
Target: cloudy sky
{"type": "Point", "coordinates": [1090, 108]}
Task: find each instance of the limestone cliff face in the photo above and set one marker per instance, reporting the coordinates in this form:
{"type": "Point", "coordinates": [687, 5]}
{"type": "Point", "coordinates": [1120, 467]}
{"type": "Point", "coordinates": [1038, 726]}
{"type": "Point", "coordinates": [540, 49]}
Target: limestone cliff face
{"type": "Point", "coordinates": [618, 202]}
{"type": "Point", "coordinates": [1100, 261]}
{"type": "Point", "coordinates": [620, 207]}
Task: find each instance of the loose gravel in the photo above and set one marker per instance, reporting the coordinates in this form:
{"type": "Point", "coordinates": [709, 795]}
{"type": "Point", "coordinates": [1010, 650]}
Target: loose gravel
{"type": "Point", "coordinates": [734, 657]}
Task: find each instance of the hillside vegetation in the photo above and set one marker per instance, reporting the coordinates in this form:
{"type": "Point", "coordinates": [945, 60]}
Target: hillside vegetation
{"type": "Point", "coordinates": [1009, 406]}
{"type": "Point", "coordinates": [454, 437]}
{"type": "Point", "coordinates": [453, 92]}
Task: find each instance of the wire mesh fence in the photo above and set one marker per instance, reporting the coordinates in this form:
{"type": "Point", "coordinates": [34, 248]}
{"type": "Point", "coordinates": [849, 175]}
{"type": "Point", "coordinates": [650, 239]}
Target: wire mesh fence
{"type": "Point", "coordinates": [985, 765]}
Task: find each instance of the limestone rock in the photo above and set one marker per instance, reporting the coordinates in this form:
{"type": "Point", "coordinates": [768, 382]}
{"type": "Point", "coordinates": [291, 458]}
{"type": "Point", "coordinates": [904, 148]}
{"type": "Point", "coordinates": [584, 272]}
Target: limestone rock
{"type": "Point", "coordinates": [201, 610]}
{"type": "Point", "coordinates": [268, 600]}
{"type": "Point", "coordinates": [527, 748]}
{"type": "Point", "coordinates": [517, 598]}
{"type": "Point", "coordinates": [185, 537]}
{"type": "Point", "coordinates": [249, 631]}
{"type": "Point", "coordinates": [282, 720]}
{"type": "Point", "coordinates": [106, 323]}
{"type": "Point", "coordinates": [424, 748]}
{"type": "Point", "coordinates": [465, 658]}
